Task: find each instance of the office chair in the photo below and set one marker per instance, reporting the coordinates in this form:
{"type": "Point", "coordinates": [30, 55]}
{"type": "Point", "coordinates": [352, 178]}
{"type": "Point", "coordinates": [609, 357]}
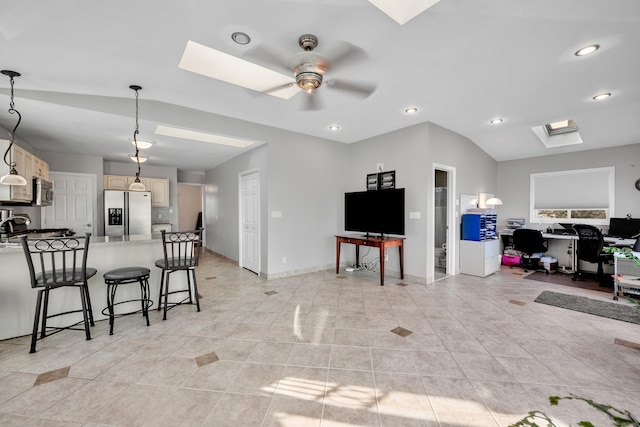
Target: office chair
{"type": "Point", "coordinates": [590, 244]}
{"type": "Point", "coordinates": [528, 241]}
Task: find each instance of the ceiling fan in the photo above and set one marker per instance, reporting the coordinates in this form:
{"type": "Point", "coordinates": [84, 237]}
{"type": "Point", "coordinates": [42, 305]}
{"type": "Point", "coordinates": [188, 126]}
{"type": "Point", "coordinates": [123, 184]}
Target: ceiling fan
{"type": "Point", "coordinates": [309, 68]}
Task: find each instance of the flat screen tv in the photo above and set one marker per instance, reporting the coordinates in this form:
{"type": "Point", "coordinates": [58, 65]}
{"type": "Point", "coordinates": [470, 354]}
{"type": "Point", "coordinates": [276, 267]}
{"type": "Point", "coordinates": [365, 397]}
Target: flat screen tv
{"type": "Point", "coordinates": [375, 212]}
{"type": "Point", "coordinates": [626, 228]}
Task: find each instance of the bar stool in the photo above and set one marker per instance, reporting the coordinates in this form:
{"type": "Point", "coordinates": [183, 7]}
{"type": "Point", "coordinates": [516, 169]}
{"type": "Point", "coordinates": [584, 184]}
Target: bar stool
{"type": "Point", "coordinates": [56, 263]}
{"type": "Point", "coordinates": [123, 276]}
{"type": "Point", "coordinates": [181, 253]}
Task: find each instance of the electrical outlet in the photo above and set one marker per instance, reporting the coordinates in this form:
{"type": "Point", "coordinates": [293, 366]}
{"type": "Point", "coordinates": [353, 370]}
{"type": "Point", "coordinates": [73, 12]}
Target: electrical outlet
{"type": "Point", "coordinates": [386, 256]}
{"type": "Point", "coordinates": [284, 259]}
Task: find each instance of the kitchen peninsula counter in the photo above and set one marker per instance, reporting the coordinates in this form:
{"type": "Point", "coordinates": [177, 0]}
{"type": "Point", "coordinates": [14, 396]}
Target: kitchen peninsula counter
{"type": "Point", "coordinates": [18, 299]}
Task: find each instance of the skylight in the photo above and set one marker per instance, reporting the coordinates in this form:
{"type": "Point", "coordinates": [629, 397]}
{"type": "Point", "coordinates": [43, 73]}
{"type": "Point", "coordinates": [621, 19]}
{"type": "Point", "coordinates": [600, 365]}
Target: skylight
{"type": "Point", "coordinates": [202, 136]}
{"type": "Point", "coordinates": [218, 65]}
{"type": "Point", "coordinates": [563, 126]}
{"type": "Point", "coordinates": [558, 134]}
{"type": "Point", "coordinates": [403, 11]}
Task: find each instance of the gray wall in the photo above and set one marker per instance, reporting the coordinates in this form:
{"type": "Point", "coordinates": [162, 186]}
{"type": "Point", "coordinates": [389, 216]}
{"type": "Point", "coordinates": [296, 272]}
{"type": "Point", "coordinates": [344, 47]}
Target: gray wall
{"type": "Point", "coordinates": [412, 152]}
{"type": "Point", "coordinates": [305, 179]}
{"type": "Point", "coordinates": [76, 163]}
{"type": "Point", "coordinates": [221, 204]}
{"type": "Point", "coordinates": [191, 177]}
{"type": "Point", "coordinates": [513, 178]}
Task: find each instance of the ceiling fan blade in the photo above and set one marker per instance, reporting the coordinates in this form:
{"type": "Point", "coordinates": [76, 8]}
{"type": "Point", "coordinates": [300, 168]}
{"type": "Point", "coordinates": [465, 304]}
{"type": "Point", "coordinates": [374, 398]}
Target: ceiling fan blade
{"type": "Point", "coordinates": [312, 103]}
{"type": "Point", "coordinates": [361, 90]}
{"type": "Point", "coordinates": [270, 58]}
{"type": "Point", "coordinates": [277, 88]}
{"type": "Point", "coordinates": [347, 54]}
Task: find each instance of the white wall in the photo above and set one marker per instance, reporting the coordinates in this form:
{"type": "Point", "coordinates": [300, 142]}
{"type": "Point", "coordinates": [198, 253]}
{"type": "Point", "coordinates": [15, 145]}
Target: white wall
{"type": "Point", "coordinates": [513, 178]}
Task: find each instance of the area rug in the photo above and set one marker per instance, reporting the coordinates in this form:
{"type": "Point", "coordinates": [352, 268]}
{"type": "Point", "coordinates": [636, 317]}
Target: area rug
{"type": "Point", "coordinates": [584, 282]}
{"type": "Point", "coordinates": [611, 310]}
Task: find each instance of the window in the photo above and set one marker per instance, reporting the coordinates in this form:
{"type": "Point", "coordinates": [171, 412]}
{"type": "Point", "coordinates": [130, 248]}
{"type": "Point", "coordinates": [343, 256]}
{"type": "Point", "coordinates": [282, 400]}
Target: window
{"type": "Point", "coordinates": [583, 195]}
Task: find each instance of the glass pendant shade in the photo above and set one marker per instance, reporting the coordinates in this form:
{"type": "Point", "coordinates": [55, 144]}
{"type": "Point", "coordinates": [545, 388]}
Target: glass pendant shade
{"type": "Point", "coordinates": [12, 178]}
{"type": "Point", "coordinates": [137, 185]}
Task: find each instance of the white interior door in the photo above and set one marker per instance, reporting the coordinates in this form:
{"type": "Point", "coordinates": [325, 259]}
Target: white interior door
{"type": "Point", "coordinates": [250, 221]}
{"type": "Point", "coordinates": [74, 196]}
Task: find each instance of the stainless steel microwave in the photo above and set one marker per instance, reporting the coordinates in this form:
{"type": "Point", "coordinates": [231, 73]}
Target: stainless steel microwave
{"type": "Point", "coordinates": [42, 192]}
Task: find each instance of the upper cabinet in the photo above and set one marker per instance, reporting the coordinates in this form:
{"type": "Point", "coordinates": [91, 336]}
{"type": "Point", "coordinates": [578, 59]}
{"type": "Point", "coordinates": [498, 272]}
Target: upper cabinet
{"type": "Point", "coordinates": [40, 168]}
{"type": "Point", "coordinates": [159, 192]}
{"type": "Point", "coordinates": [27, 165]}
{"type": "Point", "coordinates": [159, 187]}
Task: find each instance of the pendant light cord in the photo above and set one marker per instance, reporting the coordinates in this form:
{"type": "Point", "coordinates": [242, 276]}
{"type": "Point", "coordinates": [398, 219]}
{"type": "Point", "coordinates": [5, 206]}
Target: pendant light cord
{"type": "Point", "coordinates": [12, 110]}
{"type": "Point", "coordinates": [135, 140]}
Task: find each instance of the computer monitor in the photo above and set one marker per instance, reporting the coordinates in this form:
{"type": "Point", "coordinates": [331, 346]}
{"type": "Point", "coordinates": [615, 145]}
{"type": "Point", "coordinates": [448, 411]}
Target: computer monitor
{"type": "Point", "coordinates": [567, 228]}
{"type": "Point", "coordinates": [625, 228]}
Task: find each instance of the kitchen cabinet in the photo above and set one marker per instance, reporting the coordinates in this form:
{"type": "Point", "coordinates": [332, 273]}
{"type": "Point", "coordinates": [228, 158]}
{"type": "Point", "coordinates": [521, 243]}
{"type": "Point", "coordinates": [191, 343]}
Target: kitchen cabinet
{"type": "Point", "coordinates": [24, 165]}
{"type": "Point", "coordinates": [159, 192]}
{"type": "Point", "coordinates": [40, 168]}
{"type": "Point", "coordinates": [479, 258]}
{"type": "Point", "coordinates": [159, 187]}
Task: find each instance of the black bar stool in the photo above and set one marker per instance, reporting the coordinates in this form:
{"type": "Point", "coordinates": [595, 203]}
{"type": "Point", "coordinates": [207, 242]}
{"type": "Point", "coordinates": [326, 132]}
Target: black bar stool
{"type": "Point", "coordinates": [123, 276]}
{"type": "Point", "coordinates": [56, 263]}
{"type": "Point", "coordinates": [181, 253]}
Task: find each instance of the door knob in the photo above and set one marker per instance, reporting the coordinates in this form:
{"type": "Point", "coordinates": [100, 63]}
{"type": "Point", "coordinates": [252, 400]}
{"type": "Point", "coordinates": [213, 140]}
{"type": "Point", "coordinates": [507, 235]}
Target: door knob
{"type": "Point", "coordinates": [88, 225]}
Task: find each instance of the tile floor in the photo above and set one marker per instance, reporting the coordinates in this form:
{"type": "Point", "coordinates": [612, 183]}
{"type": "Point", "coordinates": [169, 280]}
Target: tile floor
{"type": "Point", "coordinates": [318, 350]}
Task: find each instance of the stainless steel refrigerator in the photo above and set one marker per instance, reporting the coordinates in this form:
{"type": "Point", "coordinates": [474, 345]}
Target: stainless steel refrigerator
{"type": "Point", "coordinates": [127, 212]}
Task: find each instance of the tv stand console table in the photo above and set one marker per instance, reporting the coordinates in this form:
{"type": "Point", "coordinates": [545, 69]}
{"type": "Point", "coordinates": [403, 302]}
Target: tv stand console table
{"type": "Point", "coordinates": [377, 242]}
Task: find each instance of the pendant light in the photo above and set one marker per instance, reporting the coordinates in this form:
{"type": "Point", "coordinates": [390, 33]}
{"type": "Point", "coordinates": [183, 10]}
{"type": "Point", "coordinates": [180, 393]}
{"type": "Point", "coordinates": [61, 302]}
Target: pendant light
{"type": "Point", "coordinates": [137, 185]}
{"type": "Point", "coordinates": [12, 178]}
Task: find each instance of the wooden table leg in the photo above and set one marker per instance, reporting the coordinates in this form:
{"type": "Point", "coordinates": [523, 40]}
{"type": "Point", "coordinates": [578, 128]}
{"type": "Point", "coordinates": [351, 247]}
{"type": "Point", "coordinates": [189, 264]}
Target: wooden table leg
{"type": "Point", "coordinates": [337, 256]}
{"type": "Point", "coordinates": [401, 249]}
{"type": "Point", "coordinates": [381, 265]}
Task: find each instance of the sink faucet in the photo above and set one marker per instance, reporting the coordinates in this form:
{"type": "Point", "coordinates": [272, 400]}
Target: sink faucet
{"type": "Point", "coordinates": [10, 224]}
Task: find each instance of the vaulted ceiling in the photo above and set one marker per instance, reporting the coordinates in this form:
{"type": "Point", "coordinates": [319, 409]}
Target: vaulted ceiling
{"type": "Point", "coordinates": [461, 63]}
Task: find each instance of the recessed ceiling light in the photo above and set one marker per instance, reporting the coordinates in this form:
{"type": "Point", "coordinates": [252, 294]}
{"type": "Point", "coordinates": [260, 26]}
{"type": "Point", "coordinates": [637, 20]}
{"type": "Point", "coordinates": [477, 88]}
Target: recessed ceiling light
{"type": "Point", "coordinates": [202, 136]}
{"type": "Point", "coordinates": [334, 127]}
{"type": "Point", "coordinates": [240, 38]}
{"type": "Point", "coordinates": [587, 50]}
{"type": "Point", "coordinates": [496, 121]}
{"type": "Point", "coordinates": [411, 110]}
{"type": "Point", "coordinates": [602, 96]}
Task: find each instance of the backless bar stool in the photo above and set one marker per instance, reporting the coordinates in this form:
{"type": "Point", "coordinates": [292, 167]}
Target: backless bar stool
{"type": "Point", "coordinates": [123, 276]}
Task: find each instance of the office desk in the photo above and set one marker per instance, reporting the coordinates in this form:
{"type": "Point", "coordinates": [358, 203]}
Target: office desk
{"type": "Point", "coordinates": [618, 241]}
{"type": "Point", "coordinates": [550, 236]}
{"type": "Point", "coordinates": [626, 275]}
{"type": "Point", "coordinates": [611, 241]}
{"type": "Point", "coordinates": [377, 242]}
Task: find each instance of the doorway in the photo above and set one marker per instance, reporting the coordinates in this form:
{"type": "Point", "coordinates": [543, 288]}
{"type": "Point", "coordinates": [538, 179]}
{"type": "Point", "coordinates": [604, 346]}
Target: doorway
{"type": "Point", "coordinates": [441, 238]}
{"type": "Point", "coordinates": [74, 195]}
{"type": "Point", "coordinates": [190, 202]}
{"type": "Point", "coordinates": [249, 210]}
